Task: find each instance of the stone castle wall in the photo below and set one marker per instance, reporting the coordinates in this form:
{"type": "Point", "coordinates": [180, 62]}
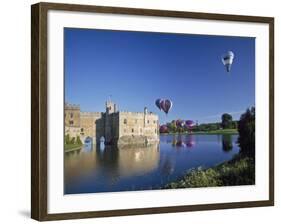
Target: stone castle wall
{"type": "Point", "coordinates": [115, 126]}
{"type": "Point", "coordinates": [88, 123]}
{"type": "Point", "coordinates": [138, 124]}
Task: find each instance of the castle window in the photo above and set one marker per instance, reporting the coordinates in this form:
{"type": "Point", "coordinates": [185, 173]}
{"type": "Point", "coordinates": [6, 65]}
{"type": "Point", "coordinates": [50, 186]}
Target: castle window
{"type": "Point", "coordinates": [148, 121]}
{"type": "Point", "coordinates": [82, 129]}
{"type": "Point", "coordinates": [154, 121]}
{"type": "Point", "coordinates": [70, 122]}
{"type": "Point", "coordinates": [132, 130]}
{"type": "Point", "coordinates": [125, 121]}
{"type": "Point", "coordinates": [71, 115]}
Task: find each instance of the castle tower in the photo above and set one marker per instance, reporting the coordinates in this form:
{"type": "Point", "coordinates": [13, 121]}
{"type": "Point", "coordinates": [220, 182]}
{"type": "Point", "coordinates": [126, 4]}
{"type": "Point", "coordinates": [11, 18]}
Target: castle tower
{"type": "Point", "coordinates": [145, 116]}
{"type": "Point", "coordinates": [110, 107]}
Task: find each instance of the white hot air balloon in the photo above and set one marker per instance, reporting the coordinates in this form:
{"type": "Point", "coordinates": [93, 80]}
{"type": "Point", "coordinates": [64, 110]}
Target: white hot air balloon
{"type": "Point", "coordinates": [227, 60]}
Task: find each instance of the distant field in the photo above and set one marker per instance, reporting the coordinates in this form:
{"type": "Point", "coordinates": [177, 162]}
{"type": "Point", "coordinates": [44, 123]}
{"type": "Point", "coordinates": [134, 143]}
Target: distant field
{"type": "Point", "coordinates": [222, 131]}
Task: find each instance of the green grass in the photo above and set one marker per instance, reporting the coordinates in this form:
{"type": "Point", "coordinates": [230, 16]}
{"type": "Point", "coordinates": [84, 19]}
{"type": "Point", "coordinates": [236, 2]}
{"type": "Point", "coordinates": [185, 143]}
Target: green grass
{"type": "Point", "coordinates": [238, 171]}
{"type": "Point", "coordinates": [215, 132]}
{"type": "Point", "coordinates": [72, 147]}
{"type": "Point", "coordinates": [222, 131]}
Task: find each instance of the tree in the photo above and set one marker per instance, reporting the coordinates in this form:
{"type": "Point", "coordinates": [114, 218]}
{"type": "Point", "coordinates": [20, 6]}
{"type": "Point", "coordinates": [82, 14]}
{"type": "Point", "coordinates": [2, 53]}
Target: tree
{"type": "Point", "coordinates": [67, 139]}
{"type": "Point", "coordinates": [172, 127]}
{"type": "Point", "coordinates": [72, 141]}
{"type": "Point", "coordinates": [78, 140]}
{"type": "Point", "coordinates": [246, 130]}
{"type": "Point", "coordinates": [226, 121]}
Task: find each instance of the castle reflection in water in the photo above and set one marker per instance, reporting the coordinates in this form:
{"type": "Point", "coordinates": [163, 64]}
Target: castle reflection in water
{"type": "Point", "coordinates": [108, 168]}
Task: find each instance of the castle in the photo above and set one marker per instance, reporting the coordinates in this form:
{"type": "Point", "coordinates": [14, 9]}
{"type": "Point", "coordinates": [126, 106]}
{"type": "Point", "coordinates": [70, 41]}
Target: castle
{"type": "Point", "coordinates": [113, 126]}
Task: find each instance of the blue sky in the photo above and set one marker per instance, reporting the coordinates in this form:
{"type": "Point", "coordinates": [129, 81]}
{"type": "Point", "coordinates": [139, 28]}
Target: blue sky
{"type": "Point", "coordinates": [136, 68]}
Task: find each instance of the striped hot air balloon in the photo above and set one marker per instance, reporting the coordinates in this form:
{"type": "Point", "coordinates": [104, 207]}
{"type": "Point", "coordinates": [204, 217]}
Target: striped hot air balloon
{"type": "Point", "coordinates": [166, 105]}
{"type": "Point", "coordinates": [157, 103]}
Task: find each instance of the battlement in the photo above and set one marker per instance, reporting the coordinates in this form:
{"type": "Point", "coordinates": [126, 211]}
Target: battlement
{"type": "Point", "coordinates": [91, 113]}
{"type": "Point", "coordinates": [71, 106]}
{"type": "Point", "coordinates": [136, 113]}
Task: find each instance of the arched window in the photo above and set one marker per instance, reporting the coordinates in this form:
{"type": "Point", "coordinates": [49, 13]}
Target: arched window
{"type": "Point", "coordinates": [132, 130]}
{"type": "Point", "coordinates": [125, 121]}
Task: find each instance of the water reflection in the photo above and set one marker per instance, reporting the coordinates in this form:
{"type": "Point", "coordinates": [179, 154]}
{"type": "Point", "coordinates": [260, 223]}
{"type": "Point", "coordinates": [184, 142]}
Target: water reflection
{"type": "Point", "coordinates": [227, 143]}
{"type": "Point", "coordinates": [112, 161]}
{"type": "Point", "coordinates": [104, 168]}
{"type": "Point", "coordinates": [187, 141]}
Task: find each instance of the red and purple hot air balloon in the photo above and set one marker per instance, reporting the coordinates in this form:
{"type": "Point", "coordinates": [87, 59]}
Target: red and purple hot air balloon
{"type": "Point", "coordinates": [166, 105]}
{"type": "Point", "coordinates": [158, 103]}
{"type": "Point", "coordinates": [180, 123]}
{"type": "Point", "coordinates": [189, 123]}
{"type": "Point", "coordinates": [163, 129]}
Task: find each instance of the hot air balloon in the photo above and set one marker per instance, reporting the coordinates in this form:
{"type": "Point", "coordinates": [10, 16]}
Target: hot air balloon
{"type": "Point", "coordinates": [189, 123]}
{"type": "Point", "coordinates": [166, 105]}
{"type": "Point", "coordinates": [227, 60]}
{"type": "Point", "coordinates": [163, 129]}
{"type": "Point", "coordinates": [180, 123]}
{"type": "Point", "coordinates": [157, 103]}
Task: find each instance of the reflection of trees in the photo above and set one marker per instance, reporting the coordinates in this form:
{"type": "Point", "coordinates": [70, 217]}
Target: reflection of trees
{"type": "Point", "coordinates": [167, 167]}
{"type": "Point", "coordinates": [227, 143]}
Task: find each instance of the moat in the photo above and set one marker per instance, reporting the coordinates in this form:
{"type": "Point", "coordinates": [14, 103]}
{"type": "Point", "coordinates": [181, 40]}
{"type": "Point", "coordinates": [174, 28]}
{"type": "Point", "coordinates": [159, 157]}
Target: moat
{"type": "Point", "coordinates": [102, 168]}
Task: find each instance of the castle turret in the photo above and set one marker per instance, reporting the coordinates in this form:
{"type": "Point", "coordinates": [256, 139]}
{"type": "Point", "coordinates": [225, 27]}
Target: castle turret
{"type": "Point", "coordinates": [145, 110]}
{"type": "Point", "coordinates": [110, 121]}
{"type": "Point", "coordinates": [110, 107]}
{"type": "Point", "coordinates": [145, 116]}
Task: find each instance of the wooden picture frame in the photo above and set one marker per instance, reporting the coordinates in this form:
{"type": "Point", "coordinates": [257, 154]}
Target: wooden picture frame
{"type": "Point", "coordinates": [39, 110]}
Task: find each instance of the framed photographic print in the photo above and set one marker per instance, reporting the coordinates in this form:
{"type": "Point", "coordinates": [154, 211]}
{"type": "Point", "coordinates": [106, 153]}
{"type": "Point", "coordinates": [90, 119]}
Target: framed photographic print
{"type": "Point", "coordinates": [140, 111]}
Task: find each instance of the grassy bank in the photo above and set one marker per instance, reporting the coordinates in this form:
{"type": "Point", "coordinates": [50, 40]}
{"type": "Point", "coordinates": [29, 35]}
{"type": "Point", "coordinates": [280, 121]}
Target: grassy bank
{"type": "Point", "coordinates": [222, 131]}
{"type": "Point", "coordinates": [238, 171]}
{"type": "Point", "coordinates": [215, 132]}
{"type": "Point", "coordinates": [72, 147]}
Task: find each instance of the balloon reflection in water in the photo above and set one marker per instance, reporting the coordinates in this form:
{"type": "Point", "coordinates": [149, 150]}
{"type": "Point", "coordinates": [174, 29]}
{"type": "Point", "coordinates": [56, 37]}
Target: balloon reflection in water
{"type": "Point", "coordinates": [187, 142]}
